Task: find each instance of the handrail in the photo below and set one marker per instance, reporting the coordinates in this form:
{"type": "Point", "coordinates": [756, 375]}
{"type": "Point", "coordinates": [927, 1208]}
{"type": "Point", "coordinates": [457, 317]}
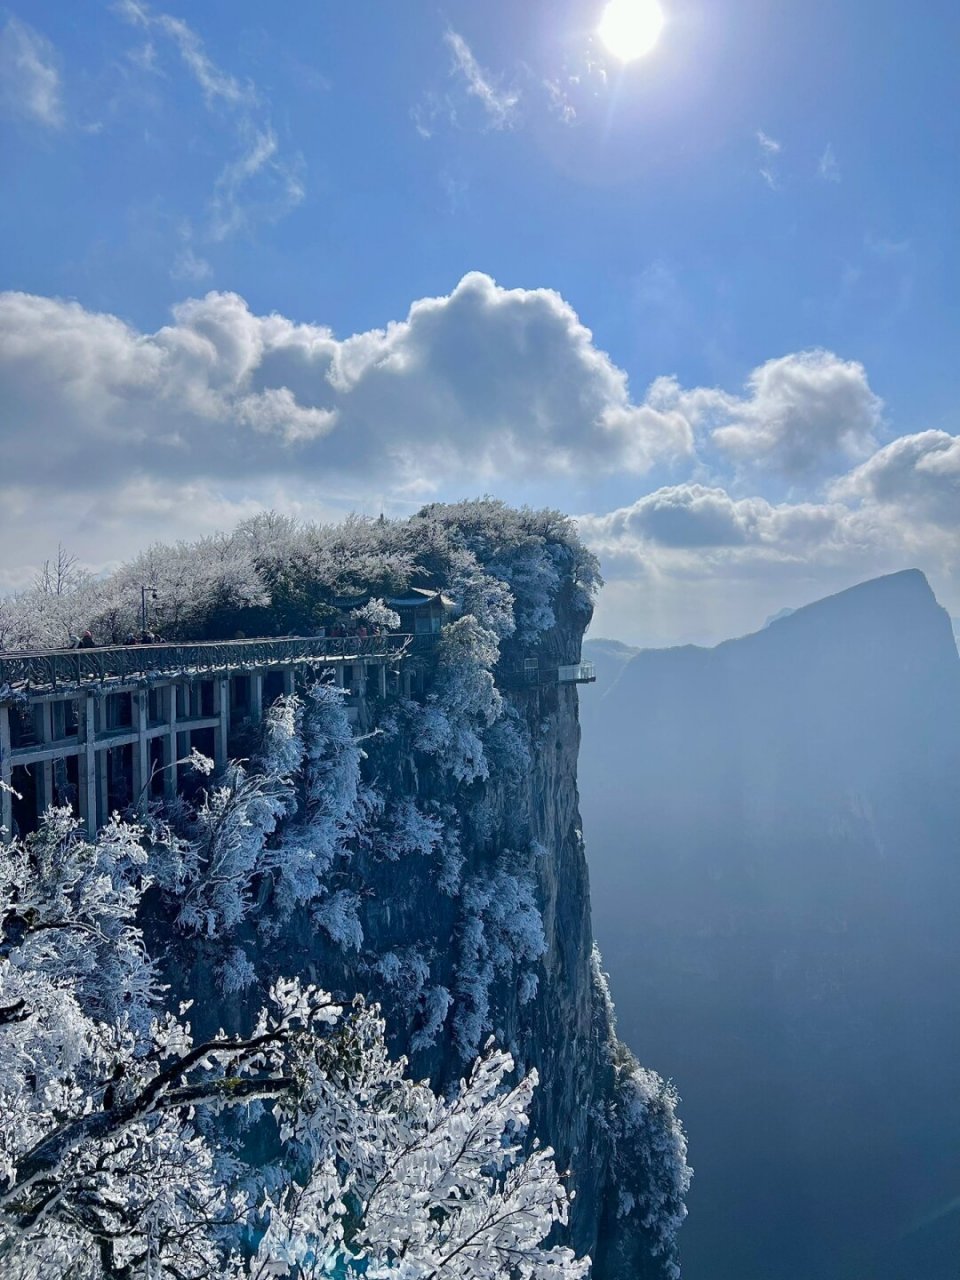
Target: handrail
{"type": "Point", "coordinates": [52, 668]}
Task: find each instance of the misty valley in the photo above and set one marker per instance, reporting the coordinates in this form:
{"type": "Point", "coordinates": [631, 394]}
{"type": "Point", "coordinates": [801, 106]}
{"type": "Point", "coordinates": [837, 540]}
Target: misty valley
{"type": "Point", "coordinates": [773, 830]}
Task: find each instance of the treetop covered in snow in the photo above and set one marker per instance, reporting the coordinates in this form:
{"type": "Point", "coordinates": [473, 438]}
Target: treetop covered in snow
{"type": "Point", "coordinates": [276, 575]}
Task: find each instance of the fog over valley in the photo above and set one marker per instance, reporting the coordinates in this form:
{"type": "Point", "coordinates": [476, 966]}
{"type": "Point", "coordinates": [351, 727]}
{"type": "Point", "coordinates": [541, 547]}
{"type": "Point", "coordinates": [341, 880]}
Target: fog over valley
{"type": "Point", "coordinates": [773, 829]}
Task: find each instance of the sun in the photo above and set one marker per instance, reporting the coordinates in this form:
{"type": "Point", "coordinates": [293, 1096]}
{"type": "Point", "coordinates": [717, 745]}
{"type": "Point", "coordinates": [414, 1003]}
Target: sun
{"type": "Point", "coordinates": [631, 28]}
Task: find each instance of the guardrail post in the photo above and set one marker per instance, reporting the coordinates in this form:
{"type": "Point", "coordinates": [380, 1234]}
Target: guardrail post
{"type": "Point", "coordinates": [103, 785]}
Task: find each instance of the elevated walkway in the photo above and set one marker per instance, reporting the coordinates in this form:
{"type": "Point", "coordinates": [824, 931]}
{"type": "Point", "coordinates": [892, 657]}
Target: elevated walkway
{"type": "Point", "coordinates": [107, 728]}
{"type": "Point", "coordinates": [65, 668]}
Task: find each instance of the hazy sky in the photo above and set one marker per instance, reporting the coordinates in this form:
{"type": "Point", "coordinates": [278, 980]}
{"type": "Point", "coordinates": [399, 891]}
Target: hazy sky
{"type": "Point", "coordinates": [339, 254]}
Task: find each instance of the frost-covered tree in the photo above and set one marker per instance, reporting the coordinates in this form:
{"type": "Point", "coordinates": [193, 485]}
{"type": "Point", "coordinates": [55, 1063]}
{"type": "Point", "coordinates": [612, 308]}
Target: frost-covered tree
{"type": "Point", "coordinates": [56, 607]}
{"type": "Point", "coordinates": [650, 1145]}
{"type": "Point", "coordinates": [376, 615]}
{"type": "Point", "coordinates": [441, 1188]}
{"type": "Point", "coordinates": [208, 868]}
{"type": "Point", "coordinates": [464, 700]}
{"type": "Point", "coordinates": [312, 738]}
{"type": "Point", "coordinates": [501, 936]}
{"type": "Point", "coordinates": [110, 1164]}
{"type": "Point", "coordinates": [189, 584]}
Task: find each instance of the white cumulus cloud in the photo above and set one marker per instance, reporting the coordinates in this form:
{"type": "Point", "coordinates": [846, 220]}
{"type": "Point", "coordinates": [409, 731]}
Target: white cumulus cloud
{"type": "Point", "coordinates": [467, 385]}
{"type": "Point", "coordinates": [918, 474]}
{"type": "Point", "coordinates": [802, 414]}
{"type": "Point", "coordinates": [691, 563]}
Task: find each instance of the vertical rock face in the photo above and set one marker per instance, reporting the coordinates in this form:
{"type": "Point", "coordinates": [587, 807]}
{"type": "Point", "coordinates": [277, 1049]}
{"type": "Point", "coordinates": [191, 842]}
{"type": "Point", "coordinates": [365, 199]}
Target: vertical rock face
{"type": "Point", "coordinates": [520, 825]}
{"type": "Point", "coordinates": [451, 881]}
{"type": "Point", "coordinates": [774, 832]}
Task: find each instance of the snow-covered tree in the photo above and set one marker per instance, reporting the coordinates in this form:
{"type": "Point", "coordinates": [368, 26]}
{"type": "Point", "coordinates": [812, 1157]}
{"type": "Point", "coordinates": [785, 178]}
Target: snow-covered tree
{"type": "Point", "coordinates": [208, 869]}
{"type": "Point", "coordinates": [110, 1164]}
{"type": "Point", "coordinates": [650, 1145]}
{"type": "Point", "coordinates": [440, 1187]}
{"type": "Point", "coordinates": [501, 936]}
{"type": "Point", "coordinates": [313, 738]}
{"type": "Point", "coordinates": [376, 615]}
{"type": "Point", "coordinates": [464, 700]}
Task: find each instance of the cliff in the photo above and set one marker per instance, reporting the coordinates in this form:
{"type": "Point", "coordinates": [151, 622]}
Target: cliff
{"type": "Point", "coordinates": [437, 865]}
{"type": "Point", "coordinates": [774, 827]}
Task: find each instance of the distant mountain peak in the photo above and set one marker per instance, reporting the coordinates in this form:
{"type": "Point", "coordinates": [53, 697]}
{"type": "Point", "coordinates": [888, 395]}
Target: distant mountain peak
{"type": "Point", "coordinates": [904, 586]}
{"type": "Point", "coordinates": [896, 603]}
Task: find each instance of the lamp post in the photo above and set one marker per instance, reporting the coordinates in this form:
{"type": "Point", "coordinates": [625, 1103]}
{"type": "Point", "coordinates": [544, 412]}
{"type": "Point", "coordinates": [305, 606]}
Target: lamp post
{"type": "Point", "coordinates": [144, 588]}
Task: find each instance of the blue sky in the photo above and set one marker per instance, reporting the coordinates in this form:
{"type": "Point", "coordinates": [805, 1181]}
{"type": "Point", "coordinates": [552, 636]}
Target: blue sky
{"type": "Point", "coordinates": [722, 330]}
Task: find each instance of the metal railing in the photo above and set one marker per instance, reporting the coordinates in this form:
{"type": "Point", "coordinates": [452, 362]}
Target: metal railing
{"type": "Point", "coordinates": [53, 668]}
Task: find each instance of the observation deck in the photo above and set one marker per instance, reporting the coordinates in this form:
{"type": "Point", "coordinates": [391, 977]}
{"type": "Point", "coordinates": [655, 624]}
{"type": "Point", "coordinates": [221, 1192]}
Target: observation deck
{"type": "Point", "coordinates": [577, 673]}
{"type": "Point", "coordinates": [533, 674]}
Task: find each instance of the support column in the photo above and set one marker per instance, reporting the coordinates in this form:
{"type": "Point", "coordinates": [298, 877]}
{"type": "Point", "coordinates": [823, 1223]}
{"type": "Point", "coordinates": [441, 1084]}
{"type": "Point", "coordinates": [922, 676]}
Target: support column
{"type": "Point", "coordinates": [170, 743]}
{"type": "Point", "coordinates": [87, 763]}
{"type": "Point", "coordinates": [221, 734]}
{"type": "Point", "coordinates": [103, 785]}
{"type": "Point", "coordinates": [6, 773]}
{"type": "Point", "coordinates": [45, 790]}
{"type": "Point", "coordinates": [256, 696]}
{"type": "Point", "coordinates": [382, 674]}
{"type": "Point", "coordinates": [289, 680]}
{"type": "Point", "coordinates": [141, 751]}
{"type": "Point", "coordinates": [338, 673]}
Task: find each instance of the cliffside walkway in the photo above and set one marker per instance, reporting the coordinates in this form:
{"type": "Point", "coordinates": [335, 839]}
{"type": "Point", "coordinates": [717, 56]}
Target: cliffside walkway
{"type": "Point", "coordinates": [62, 668]}
{"type": "Point", "coordinates": [102, 729]}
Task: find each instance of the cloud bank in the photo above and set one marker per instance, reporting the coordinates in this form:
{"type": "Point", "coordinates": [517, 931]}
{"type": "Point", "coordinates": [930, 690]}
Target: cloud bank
{"type": "Point", "coordinates": [471, 383]}
{"type": "Point", "coordinates": [692, 562]}
{"type": "Point", "coordinates": [778, 492]}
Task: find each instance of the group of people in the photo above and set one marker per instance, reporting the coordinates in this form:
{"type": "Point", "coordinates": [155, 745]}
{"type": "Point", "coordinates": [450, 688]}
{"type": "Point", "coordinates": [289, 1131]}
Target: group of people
{"type": "Point", "coordinates": [86, 640]}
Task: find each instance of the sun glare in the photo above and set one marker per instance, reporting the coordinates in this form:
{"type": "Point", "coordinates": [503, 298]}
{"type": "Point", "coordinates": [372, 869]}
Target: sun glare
{"type": "Point", "coordinates": [631, 28]}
